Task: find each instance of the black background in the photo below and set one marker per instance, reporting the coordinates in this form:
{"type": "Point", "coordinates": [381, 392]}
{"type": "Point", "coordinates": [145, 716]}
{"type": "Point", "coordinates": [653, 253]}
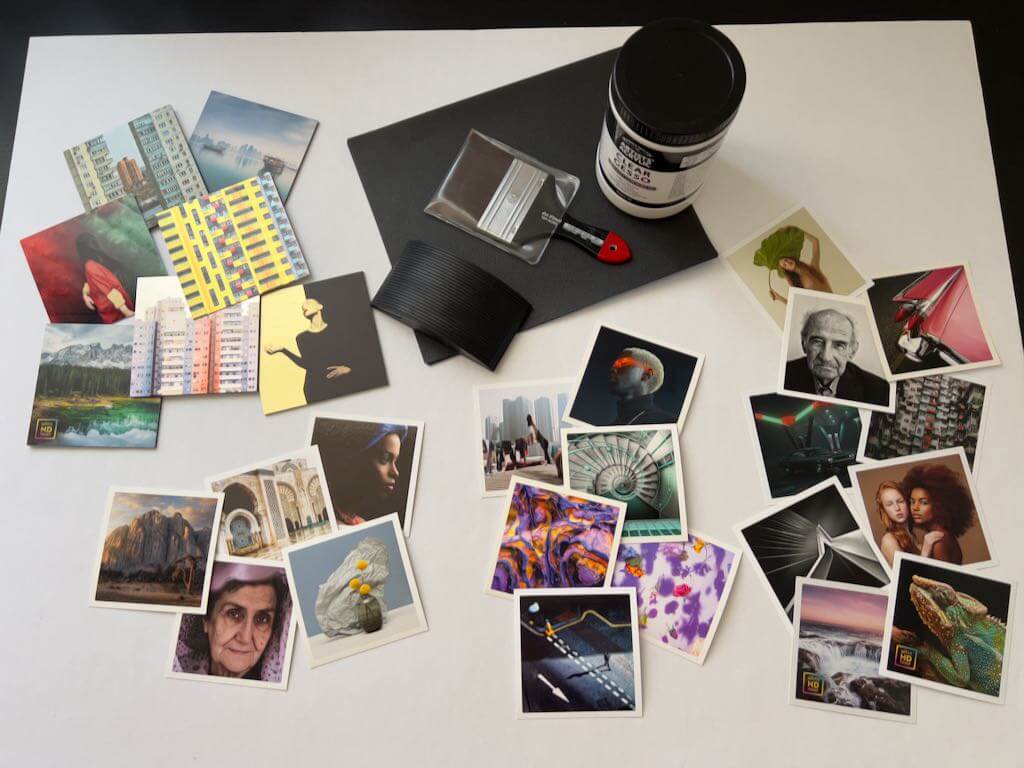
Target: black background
{"type": "Point", "coordinates": [994, 594]}
{"type": "Point", "coordinates": [825, 508]}
{"type": "Point", "coordinates": [334, 456]}
{"type": "Point", "coordinates": [595, 404]}
{"type": "Point", "coordinates": [998, 28]}
{"type": "Point", "coordinates": [545, 116]}
{"type": "Point", "coordinates": [776, 446]}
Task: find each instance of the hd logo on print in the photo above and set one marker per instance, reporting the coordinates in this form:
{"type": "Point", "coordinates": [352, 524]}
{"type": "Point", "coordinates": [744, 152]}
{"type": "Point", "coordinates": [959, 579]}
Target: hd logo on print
{"type": "Point", "coordinates": [46, 429]}
{"type": "Point", "coordinates": [906, 657]}
{"type": "Point", "coordinates": [813, 685]}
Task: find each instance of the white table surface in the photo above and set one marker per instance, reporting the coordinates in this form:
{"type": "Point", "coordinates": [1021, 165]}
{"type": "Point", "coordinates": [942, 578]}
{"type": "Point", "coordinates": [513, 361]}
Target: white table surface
{"type": "Point", "coordinates": [879, 128]}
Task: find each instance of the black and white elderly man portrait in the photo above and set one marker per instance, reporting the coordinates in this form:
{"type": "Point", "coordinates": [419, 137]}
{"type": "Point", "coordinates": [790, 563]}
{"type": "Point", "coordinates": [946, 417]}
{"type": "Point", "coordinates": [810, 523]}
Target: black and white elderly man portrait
{"type": "Point", "coordinates": [829, 340]}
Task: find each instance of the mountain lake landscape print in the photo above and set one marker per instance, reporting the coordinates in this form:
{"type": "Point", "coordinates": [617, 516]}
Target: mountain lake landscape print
{"type": "Point", "coordinates": [82, 396]}
{"type": "Point", "coordinates": [155, 552]}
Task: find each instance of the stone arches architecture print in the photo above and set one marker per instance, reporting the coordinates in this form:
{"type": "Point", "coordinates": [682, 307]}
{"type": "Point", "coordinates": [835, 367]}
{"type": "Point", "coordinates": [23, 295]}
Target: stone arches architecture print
{"type": "Point", "coordinates": [272, 505]}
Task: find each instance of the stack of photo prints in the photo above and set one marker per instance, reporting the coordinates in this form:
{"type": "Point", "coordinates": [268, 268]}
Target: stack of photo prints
{"type": "Point", "coordinates": [867, 447]}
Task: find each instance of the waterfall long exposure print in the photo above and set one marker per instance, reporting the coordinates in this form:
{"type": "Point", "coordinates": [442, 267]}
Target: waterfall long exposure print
{"type": "Point", "coordinates": [837, 646]}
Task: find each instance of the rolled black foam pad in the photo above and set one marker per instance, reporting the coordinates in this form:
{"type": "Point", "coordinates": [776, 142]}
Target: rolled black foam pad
{"type": "Point", "coordinates": [453, 301]}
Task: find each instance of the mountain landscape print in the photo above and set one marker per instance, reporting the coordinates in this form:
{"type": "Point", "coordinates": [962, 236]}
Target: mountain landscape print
{"type": "Point", "coordinates": [156, 551]}
{"type": "Point", "coordinates": [82, 396]}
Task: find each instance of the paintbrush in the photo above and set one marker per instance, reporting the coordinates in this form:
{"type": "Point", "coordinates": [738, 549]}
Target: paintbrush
{"type": "Point", "coordinates": [518, 203]}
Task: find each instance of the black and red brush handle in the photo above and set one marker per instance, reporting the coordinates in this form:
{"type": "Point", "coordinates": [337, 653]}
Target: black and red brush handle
{"type": "Point", "coordinates": [605, 246]}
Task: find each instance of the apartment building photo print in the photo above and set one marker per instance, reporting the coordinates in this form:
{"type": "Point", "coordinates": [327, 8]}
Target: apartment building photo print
{"type": "Point", "coordinates": [147, 158]}
{"type": "Point", "coordinates": [232, 245]}
{"type": "Point", "coordinates": [174, 354]}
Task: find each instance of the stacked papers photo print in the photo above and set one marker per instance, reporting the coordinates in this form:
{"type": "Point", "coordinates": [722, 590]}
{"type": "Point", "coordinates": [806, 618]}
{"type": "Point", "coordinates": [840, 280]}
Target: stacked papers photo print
{"type": "Point", "coordinates": [156, 550]}
{"type": "Point", "coordinates": [552, 537]}
{"type": "Point", "coordinates": [578, 653]}
{"type": "Point", "coordinates": [948, 629]}
{"type": "Point", "coordinates": [246, 635]}
{"type": "Point", "coordinates": [355, 590]}
{"type": "Point", "coordinates": [837, 645]}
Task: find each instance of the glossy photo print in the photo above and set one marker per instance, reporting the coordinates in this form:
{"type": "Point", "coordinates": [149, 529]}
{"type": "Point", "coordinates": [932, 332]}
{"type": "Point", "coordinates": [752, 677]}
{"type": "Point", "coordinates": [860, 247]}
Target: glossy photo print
{"type": "Point", "coordinates": [172, 354]}
{"type": "Point", "coordinates": [932, 413]}
{"type": "Point", "coordinates": [923, 505]}
{"type": "Point", "coordinates": [681, 590]}
{"type": "Point", "coordinates": [86, 267]}
{"type": "Point", "coordinates": [802, 442]}
{"type": "Point", "coordinates": [578, 653]}
{"type": "Point", "coordinates": [629, 380]}
{"type": "Point", "coordinates": [830, 352]}
{"type": "Point", "coordinates": [236, 138]}
{"type": "Point", "coordinates": [814, 535]}
{"type": "Point", "coordinates": [928, 321]}
{"type": "Point", "coordinates": [792, 252]}
{"type": "Point", "coordinates": [247, 633]}
{"type": "Point", "coordinates": [146, 159]}
{"type": "Point", "coordinates": [355, 590]}
{"type": "Point", "coordinates": [520, 432]}
{"type": "Point", "coordinates": [232, 245]}
{"type": "Point", "coordinates": [948, 629]}
{"type": "Point", "coordinates": [317, 342]}
{"type": "Point", "coordinates": [555, 538]}
{"type": "Point", "coordinates": [273, 504]}
{"type": "Point", "coordinates": [82, 397]}
{"type": "Point", "coordinates": [837, 645]}
{"type": "Point", "coordinates": [370, 464]}
{"type": "Point", "coordinates": [639, 466]}
{"type": "Point", "coordinates": [156, 550]}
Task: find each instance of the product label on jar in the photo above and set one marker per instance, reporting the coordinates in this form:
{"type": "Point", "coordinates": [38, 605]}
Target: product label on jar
{"type": "Point", "coordinates": [647, 176]}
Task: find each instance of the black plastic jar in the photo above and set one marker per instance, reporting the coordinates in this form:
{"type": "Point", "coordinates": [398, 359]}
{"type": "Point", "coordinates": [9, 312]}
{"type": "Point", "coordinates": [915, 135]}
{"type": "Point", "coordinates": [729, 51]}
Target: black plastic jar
{"type": "Point", "coordinates": [675, 88]}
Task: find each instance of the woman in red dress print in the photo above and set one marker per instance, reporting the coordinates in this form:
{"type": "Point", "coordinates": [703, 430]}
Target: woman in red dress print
{"type": "Point", "coordinates": [102, 290]}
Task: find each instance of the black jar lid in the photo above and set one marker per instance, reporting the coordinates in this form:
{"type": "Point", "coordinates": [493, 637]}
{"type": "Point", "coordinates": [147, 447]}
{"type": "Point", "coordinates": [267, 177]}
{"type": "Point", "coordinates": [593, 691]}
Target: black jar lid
{"type": "Point", "coordinates": [678, 82]}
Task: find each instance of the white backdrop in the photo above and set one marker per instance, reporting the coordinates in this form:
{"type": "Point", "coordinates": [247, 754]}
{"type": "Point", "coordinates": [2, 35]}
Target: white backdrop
{"type": "Point", "coordinates": [879, 128]}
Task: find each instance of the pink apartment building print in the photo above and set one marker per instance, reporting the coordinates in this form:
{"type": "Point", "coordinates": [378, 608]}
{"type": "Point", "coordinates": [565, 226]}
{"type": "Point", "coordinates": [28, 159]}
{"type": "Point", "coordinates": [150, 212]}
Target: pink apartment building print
{"type": "Point", "coordinates": [172, 354]}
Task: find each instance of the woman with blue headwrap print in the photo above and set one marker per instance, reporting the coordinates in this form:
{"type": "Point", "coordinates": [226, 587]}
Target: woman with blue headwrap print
{"type": "Point", "coordinates": [361, 462]}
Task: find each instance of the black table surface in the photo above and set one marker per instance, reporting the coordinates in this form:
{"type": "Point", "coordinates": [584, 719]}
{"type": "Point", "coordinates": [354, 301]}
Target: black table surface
{"type": "Point", "coordinates": [998, 28]}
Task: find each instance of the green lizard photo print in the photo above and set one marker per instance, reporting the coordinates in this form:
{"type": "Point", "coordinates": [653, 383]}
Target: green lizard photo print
{"type": "Point", "coordinates": [948, 629]}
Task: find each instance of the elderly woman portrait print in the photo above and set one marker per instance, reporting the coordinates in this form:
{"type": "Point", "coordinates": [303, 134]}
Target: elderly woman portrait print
{"type": "Point", "coordinates": [246, 632]}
